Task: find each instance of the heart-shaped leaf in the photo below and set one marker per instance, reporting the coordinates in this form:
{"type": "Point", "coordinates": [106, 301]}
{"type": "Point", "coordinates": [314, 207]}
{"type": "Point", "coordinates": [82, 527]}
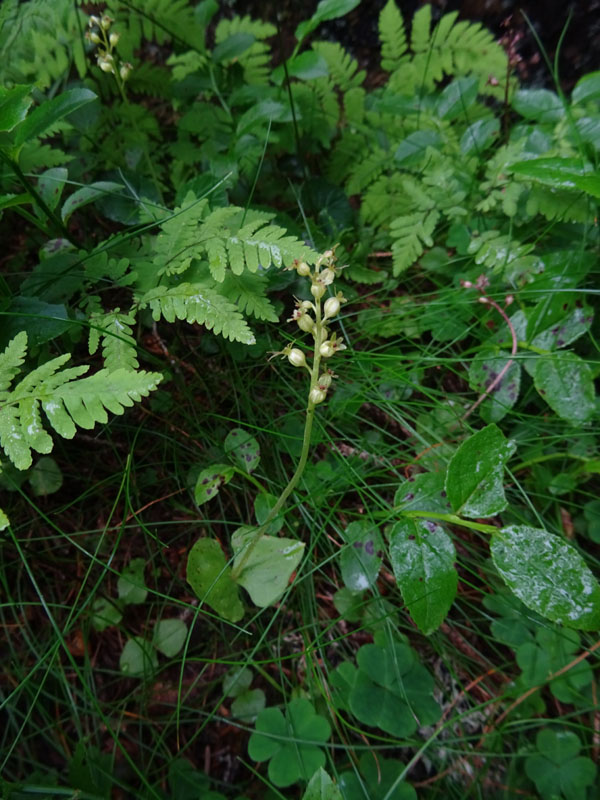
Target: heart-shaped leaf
{"type": "Point", "coordinates": [138, 659]}
{"type": "Point", "coordinates": [209, 575]}
{"type": "Point", "coordinates": [243, 448]}
{"type": "Point", "coordinates": [210, 480]}
{"type": "Point", "coordinates": [566, 382]}
{"type": "Point", "coordinates": [267, 568]}
{"type": "Point", "coordinates": [422, 556]}
{"type": "Point", "coordinates": [169, 636]}
{"type": "Point", "coordinates": [360, 560]}
{"type": "Point", "coordinates": [548, 575]}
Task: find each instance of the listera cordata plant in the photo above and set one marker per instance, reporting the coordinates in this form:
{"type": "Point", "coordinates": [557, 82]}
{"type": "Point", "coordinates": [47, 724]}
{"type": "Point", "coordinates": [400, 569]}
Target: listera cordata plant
{"type": "Point", "coordinates": [262, 562]}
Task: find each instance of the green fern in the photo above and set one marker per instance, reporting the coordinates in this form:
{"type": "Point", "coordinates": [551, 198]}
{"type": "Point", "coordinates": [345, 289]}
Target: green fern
{"type": "Point", "coordinates": [256, 59]}
{"type": "Point", "coordinates": [247, 291]}
{"type": "Point", "coordinates": [501, 253]}
{"type": "Point", "coordinates": [410, 235]}
{"type": "Point", "coordinates": [118, 345]}
{"type": "Point", "coordinates": [393, 37]}
{"type": "Point", "coordinates": [198, 303]}
{"type": "Point", "coordinates": [67, 399]}
{"type": "Point", "coordinates": [343, 69]}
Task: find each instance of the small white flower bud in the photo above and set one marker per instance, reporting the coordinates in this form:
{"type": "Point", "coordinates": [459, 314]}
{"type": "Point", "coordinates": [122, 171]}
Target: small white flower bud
{"type": "Point", "coordinates": [93, 37]}
{"type": "Point", "coordinates": [326, 350]}
{"type": "Point", "coordinates": [324, 381]}
{"type": "Point", "coordinates": [114, 39]}
{"type": "Point", "coordinates": [125, 70]}
{"type": "Point", "coordinates": [105, 63]}
{"type": "Point", "coordinates": [331, 307]}
{"type": "Point", "coordinates": [303, 269]}
{"type": "Point", "coordinates": [317, 290]}
{"type": "Point", "coordinates": [106, 22]}
{"type": "Point", "coordinates": [296, 357]}
{"type": "Point", "coordinates": [317, 395]}
{"type": "Point", "coordinates": [94, 21]}
{"type": "Point", "coordinates": [327, 276]}
{"type": "Point", "coordinates": [305, 323]}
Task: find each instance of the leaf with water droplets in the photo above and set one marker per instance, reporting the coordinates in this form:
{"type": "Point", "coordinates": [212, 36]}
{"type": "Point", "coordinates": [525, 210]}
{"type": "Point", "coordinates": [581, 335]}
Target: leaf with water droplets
{"type": "Point", "coordinates": [476, 471]}
{"type": "Point", "coordinates": [266, 570]}
{"type": "Point", "coordinates": [548, 575]}
{"type": "Point", "coordinates": [422, 556]}
{"type": "Point", "coordinates": [484, 371]}
{"type": "Point", "coordinates": [566, 382]}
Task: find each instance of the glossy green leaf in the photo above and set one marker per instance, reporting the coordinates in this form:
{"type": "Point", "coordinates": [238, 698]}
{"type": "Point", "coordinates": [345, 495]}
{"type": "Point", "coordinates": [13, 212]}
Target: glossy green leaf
{"type": "Point", "coordinates": [474, 481]}
{"type": "Point", "coordinates": [45, 477]}
{"type": "Point", "coordinates": [561, 173]}
{"type": "Point", "coordinates": [242, 448]}
{"type": "Point", "coordinates": [131, 585]}
{"type": "Point", "coordinates": [233, 47]}
{"type": "Point", "coordinates": [422, 557]}
{"type": "Point", "coordinates": [138, 659]}
{"type": "Point", "coordinates": [307, 66]}
{"type": "Point", "coordinates": [209, 575]}
{"type": "Point", "coordinates": [169, 636]}
{"type": "Point", "coordinates": [587, 88]}
{"type": "Point", "coordinates": [327, 9]}
{"type": "Point", "coordinates": [290, 743]}
{"type": "Point", "coordinates": [210, 480]}
{"type": "Point", "coordinates": [360, 560]}
{"type": "Point", "coordinates": [484, 370]}
{"type": "Point", "coordinates": [14, 105]}
{"type": "Point", "coordinates": [268, 567]}
{"type": "Point", "coordinates": [321, 787]}
{"type": "Point", "coordinates": [411, 150]}
{"type": "Point", "coordinates": [87, 194]}
{"type": "Point", "coordinates": [548, 575]}
{"type": "Point", "coordinates": [479, 136]}
{"type": "Point", "coordinates": [457, 98]}
{"type": "Point", "coordinates": [550, 328]}
{"type": "Point", "coordinates": [50, 112]}
{"type": "Point", "coordinates": [566, 382]}
{"type": "Point", "coordinates": [538, 104]}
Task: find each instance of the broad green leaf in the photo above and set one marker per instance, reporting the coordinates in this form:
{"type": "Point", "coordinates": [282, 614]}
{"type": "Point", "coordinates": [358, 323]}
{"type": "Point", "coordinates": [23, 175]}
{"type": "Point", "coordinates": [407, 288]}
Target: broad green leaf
{"type": "Point", "coordinates": [236, 681]}
{"type": "Point", "coordinates": [169, 636]}
{"type": "Point", "coordinates": [424, 492]}
{"type": "Point", "coordinates": [587, 88]}
{"type": "Point", "coordinates": [539, 104]}
{"type": "Point", "coordinates": [263, 505]}
{"type": "Point", "coordinates": [233, 47]}
{"type": "Point", "coordinates": [306, 67]}
{"type": "Point", "coordinates": [327, 9]}
{"type": "Point", "coordinates": [14, 104]}
{"type": "Point", "coordinates": [479, 136]}
{"type": "Point", "coordinates": [379, 777]}
{"type": "Point", "coordinates": [210, 481]}
{"type": "Point", "coordinates": [138, 659]}
{"type": "Point", "coordinates": [360, 560]}
{"type": "Point", "coordinates": [266, 571]}
{"type": "Point", "coordinates": [40, 320]}
{"type": "Point", "coordinates": [590, 184]}
{"type": "Point", "coordinates": [321, 787]}
{"type": "Point", "coordinates": [562, 173]}
{"type": "Point", "coordinates": [484, 370]}
{"type": "Point", "coordinates": [105, 613]}
{"type": "Point", "coordinates": [292, 743]}
{"type": "Point", "coordinates": [4, 521]}
{"type": "Point", "coordinates": [242, 448]}
{"type": "Point", "coordinates": [45, 477]}
{"type": "Point", "coordinates": [411, 150]}
{"type": "Point", "coordinates": [456, 98]}
{"type": "Point", "coordinates": [550, 328]}
{"type": "Point", "coordinates": [131, 585]}
{"type": "Point", "coordinates": [51, 184]}
{"type": "Point", "coordinates": [474, 481]}
{"type": "Point", "coordinates": [423, 556]}
{"type": "Point", "coordinates": [48, 113]}
{"type": "Point", "coordinates": [566, 382]}
{"type": "Point", "coordinates": [11, 200]}
{"type": "Point", "coordinates": [210, 577]}
{"type": "Point", "coordinates": [548, 575]}
{"type": "Point", "coordinates": [87, 194]}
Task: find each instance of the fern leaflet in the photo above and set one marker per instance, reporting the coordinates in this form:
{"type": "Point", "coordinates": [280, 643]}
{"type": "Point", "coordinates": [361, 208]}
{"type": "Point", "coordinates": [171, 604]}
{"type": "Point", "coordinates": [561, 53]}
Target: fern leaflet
{"type": "Point", "coordinates": [410, 234]}
{"type": "Point", "coordinates": [247, 291]}
{"type": "Point", "coordinates": [392, 36]}
{"type": "Point", "coordinates": [118, 345]}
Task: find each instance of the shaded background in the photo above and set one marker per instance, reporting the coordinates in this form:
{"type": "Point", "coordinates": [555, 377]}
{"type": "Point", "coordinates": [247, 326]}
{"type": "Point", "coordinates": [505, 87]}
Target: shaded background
{"type": "Point", "coordinates": [579, 53]}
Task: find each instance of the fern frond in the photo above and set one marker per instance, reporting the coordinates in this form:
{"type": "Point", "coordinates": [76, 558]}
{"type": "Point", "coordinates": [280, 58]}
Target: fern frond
{"type": "Point", "coordinates": [501, 253]}
{"type": "Point", "coordinates": [343, 69]}
{"type": "Point", "coordinates": [67, 400]}
{"type": "Point", "coordinates": [420, 39]}
{"type": "Point", "coordinates": [11, 360]}
{"type": "Point", "coordinates": [198, 303]}
{"type": "Point", "coordinates": [559, 204]}
{"type": "Point", "coordinates": [176, 244]}
{"type": "Point", "coordinates": [247, 291]}
{"type": "Point", "coordinates": [118, 345]}
{"type": "Point", "coordinates": [410, 234]}
{"type": "Point", "coordinates": [256, 60]}
{"type": "Point", "coordinates": [368, 169]}
{"type": "Point", "coordinates": [392, 35]}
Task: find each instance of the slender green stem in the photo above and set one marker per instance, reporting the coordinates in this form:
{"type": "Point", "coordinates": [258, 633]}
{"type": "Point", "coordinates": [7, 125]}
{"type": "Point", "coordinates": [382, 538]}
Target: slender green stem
{"type": "Point", "coordinates": [452, 519]}
{"type": "Point", "coordinates": [310, 415]}
{"type": "Point", "coordinates": [549, 457]}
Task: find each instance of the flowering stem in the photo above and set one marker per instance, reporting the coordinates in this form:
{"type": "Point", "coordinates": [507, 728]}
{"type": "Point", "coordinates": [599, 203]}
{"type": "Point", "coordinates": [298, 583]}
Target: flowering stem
{"type": "Point", "coordinates": [310, 415]}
